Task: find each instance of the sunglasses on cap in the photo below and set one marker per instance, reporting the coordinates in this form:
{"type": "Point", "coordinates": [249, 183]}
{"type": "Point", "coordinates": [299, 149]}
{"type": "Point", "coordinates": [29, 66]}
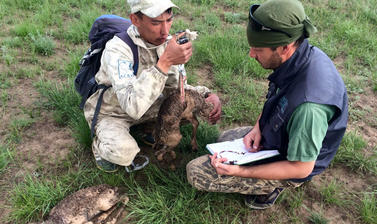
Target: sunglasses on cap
{"type": "Point", "coordinates": [258, 26]}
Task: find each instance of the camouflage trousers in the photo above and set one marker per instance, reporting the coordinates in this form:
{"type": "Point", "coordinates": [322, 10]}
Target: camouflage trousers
{"type": "Point", "coordinates": [203, 176]}
{"type": "Point", "coordinates": [113, 142]}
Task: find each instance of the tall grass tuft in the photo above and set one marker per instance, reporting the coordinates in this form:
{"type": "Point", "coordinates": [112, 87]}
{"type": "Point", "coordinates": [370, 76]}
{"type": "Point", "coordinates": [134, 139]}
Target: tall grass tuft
{"type": "Point", "coordinates": [33, 199]}
{"type": "Point", "coordinates": [7, 55]}
{"type": "Point", "coordinates": [332, 194]}
{"type": "Point", "coordinates": [72, 67]}
{"type": "Point", "coordinates": [80, 129]}
{"type": "Point", "coordinates": [43, 45]}
{"type": "Point", "coordinates": [368, 208]}
{"type": "Point", "coordinates": [62, 98]}
{"type": "Point", "coordinates": [317, 218]}
{"type": "Point", "coordinates": [16, 129]}
{"type": "Point", "coordinates": [350, 154]}
{"type": "Point", "coordinates": [374, 82]}
{"type": "Point", "coordinates": [25, 29]}
{"type": "Point", "coordinates": [5, 156]}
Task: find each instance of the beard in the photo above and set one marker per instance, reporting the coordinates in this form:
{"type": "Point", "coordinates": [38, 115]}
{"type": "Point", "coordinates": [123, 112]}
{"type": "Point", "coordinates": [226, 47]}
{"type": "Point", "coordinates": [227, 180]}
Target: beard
{"type": "Point", "coordinates": [273, 62]}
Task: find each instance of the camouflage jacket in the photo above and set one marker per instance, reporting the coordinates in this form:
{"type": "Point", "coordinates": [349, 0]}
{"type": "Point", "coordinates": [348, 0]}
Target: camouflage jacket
{"type": "Point", "coordinates": [136, 98]}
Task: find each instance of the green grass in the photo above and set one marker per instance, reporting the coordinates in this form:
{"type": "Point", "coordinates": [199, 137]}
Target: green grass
{"type": "Point", "coordinates": [63, 98]}
{"type": "Point", "coordinates": [4, 99]}
{"type": "Point", "coordinates": [7, 55]}
{"type": "Point", "coordinates": [5, 157]}
{"type": "Point", "coordinates": [227, 52]}
{"type": "Point", "coordinates": [23, 30]}
{"type": "Point", "coordinates": [5, 82]}
{"type": "Point", "coordinates": [317, 218]}
{"type": "Point", "coordinates": [231, 17]}
{"type": "Point", "coordinates": [12, 42]}
{"type": "Point", "coordinates": [170, 199]}
{"type": "Point", "coordinates": [350, 154]}
{"type": "Point", "coordinates": [368, 208]}
{"type": "Point", "coordinates": [78, 29]}
{"type": "Point", "coordinates": [71, 66]}
{"type": "Point", "coordinates": [43, 45]}
{"type": "Point", "coordinates": [27, 72]}
{"type": "Point", "coordinates": [16, 128]}
{"type": "Point", "coordinates": [35, 198]}
{"type": "Point", "coordinates": [333, 193]}
{"type": "Point", "coordinates": [161, 197]}
{"type": "Point", "coordinates": [374, 82]}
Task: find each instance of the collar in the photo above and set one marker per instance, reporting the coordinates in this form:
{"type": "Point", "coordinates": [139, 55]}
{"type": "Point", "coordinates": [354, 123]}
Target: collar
{"type": "Point", "coordinates": [283, 75]}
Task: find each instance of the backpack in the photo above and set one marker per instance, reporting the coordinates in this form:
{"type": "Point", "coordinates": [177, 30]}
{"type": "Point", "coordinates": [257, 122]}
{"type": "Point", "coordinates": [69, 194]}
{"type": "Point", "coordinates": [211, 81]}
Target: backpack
{"type": "Point", "coordinates": [103, 29]}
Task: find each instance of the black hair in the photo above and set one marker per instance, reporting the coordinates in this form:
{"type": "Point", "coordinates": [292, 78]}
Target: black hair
{"type": "Point", "coordinates": [297, 43]}
{"type": "Point", "coordinates": [139, 14]}
{"type": "Point", "coordinates": [273, 48]}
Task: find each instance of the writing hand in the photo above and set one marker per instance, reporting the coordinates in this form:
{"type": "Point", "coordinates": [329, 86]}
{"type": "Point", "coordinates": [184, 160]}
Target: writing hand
{"type": "Point", "coordinates": [252, 140]}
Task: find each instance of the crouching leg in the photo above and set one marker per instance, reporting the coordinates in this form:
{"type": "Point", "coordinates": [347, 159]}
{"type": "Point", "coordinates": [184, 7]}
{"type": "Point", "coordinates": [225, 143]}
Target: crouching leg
{"type": "Point", "coordinates": [113, 142]}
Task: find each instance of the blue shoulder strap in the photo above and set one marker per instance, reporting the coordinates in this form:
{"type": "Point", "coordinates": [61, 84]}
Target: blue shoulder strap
{"type": "Point", "coordinates": [127, 39]}
{"type": "Point", "coordinates": [117, 23]}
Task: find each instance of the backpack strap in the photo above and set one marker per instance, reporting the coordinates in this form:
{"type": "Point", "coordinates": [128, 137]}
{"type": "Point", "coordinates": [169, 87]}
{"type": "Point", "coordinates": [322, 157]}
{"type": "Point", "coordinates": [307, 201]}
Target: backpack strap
{"type": "Point", "coordinates": [127, 39]}
{"type": "Point", "coordinates": [98, 107]}
{"type": "Point", "coordinates": [89, 64]}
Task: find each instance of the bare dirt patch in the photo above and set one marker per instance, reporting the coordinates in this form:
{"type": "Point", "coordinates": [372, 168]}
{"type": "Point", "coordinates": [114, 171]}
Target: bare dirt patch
{"type": "Point", "coordinates": [54, 147]}
{"type": "Point", "coordinates": [366, 106]}
{"type": "Point", "coordinates": [20, 97]}
{"type": "Point", "coordinates": [205, 76]}
{"type": "Point", "coordinates": [41, 144]}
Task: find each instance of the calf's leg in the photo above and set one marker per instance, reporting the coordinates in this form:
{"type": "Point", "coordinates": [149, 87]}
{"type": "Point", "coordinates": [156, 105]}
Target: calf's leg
{"type": "Point", "coordinates": [195, 123]}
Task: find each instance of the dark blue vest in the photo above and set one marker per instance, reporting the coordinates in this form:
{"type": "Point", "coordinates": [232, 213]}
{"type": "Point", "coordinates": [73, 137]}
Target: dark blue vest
{"type": "Point", "coordinates": [308, 76]}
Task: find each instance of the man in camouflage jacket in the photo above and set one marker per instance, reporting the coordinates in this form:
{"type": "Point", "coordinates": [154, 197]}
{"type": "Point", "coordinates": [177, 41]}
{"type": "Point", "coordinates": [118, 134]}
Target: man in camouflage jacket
{"type": "Point", "coordinates": [136, 98]}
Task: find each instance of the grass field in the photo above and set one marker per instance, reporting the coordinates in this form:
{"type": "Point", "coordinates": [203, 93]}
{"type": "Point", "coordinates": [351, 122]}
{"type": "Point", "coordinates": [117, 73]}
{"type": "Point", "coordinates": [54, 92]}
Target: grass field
{"type": "Point", "coordinates": [45, 144]}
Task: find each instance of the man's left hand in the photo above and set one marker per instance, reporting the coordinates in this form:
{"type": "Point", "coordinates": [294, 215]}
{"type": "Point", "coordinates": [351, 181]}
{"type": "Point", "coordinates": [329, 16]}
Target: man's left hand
{"type": "Point", "coordinates": [215, 114]}
{"type": "Point", "coordinates": [222, 168]}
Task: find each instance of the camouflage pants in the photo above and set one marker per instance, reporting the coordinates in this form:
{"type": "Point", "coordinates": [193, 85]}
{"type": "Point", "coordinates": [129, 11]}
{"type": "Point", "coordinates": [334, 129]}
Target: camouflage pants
{"type": "Point", "coordinates": [113, 142]}
{"type": "Point", "coordinates": [203, 176]}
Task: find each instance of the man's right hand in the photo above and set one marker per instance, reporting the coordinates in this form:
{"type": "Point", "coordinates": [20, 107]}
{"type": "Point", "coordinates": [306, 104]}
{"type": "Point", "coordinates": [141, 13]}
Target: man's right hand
{"type": "Point", "coordinates": [252, 139]}
{"type": "Point", "coordinates": [174, 54]}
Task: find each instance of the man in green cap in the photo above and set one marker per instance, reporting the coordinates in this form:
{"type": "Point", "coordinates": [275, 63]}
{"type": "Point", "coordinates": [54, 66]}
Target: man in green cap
{"type": "Point", "coordinates": [304, 116]}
